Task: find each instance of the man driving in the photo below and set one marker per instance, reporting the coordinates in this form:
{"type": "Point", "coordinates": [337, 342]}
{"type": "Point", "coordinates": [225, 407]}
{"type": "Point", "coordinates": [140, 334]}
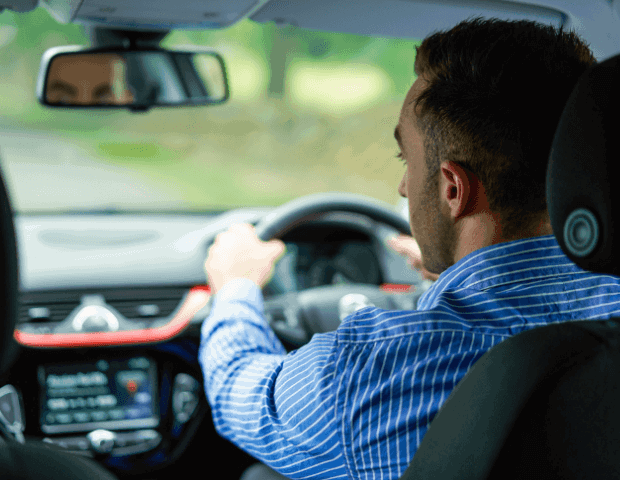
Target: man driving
{"type": "Point", "coordinates": [474, 132]}
{"type": "Point", "coordinates": [83, 79]}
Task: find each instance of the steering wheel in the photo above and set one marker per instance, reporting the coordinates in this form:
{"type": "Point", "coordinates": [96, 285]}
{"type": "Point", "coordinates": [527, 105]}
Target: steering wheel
{"type": "Point", "coordinates": [300, 210]}
{"type": "Point", "coordinates": [296, 316]}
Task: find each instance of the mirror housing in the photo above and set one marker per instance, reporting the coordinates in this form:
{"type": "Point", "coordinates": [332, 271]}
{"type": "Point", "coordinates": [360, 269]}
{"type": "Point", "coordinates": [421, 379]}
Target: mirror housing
{"type": "Point", "coordinates": [137, 78]}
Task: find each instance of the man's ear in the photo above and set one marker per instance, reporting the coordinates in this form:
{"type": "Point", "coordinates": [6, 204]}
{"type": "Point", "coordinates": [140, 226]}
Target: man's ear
{"type": "Point", "coordinates": [462, 191]}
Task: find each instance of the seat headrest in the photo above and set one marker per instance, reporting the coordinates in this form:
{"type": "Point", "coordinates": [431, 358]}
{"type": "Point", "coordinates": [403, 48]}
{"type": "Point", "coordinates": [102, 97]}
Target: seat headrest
{"type": "Point", "coordinates": [583, 160]}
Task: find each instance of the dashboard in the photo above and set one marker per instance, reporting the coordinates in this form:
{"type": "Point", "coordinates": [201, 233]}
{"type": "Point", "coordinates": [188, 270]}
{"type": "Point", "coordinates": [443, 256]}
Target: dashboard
{"type": "Point", "coordinates": [110, 310]}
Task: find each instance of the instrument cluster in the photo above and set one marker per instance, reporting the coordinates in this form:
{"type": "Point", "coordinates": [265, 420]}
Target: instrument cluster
{"type": "Point", "coordinates": [307, 265]}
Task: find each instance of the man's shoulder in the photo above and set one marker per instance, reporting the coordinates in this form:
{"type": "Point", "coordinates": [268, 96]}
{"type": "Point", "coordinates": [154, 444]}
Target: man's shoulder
{"type": "Point", "coordinates": [372, 324]}
{"type": "Point", "coordinates": [505, 309]}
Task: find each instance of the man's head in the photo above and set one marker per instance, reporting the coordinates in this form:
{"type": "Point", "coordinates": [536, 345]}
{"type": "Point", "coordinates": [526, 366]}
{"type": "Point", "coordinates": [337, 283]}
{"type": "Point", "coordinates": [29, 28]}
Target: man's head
{"type": "Point", "coordinates": [476, 130]}
{"type": "Point", "coordinates": [84, 79]}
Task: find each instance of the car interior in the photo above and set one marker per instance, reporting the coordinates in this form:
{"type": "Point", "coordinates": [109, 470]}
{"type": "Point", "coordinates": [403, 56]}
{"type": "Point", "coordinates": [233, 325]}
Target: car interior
{"type": "Point", "coordinates": [103, 301]}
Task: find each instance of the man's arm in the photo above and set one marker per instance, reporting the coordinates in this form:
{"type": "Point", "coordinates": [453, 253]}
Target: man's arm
{"type": "Point", "coordinates": [277, 407]}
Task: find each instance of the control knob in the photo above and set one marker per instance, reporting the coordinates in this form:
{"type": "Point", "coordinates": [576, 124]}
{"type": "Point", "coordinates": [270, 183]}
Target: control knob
{"type": "Point", "coordinates": [95, 318]}
{"type": "Point", "coordinates": [101, 441]}
{"type": "Point", "coordinates": [184, 397]}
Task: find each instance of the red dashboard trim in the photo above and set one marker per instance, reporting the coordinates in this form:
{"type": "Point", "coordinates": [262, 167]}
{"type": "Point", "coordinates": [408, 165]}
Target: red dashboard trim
{"type": "Point", "coordinates": [397, 288]}
{"type": "Point", "coordinates": [195, 300]}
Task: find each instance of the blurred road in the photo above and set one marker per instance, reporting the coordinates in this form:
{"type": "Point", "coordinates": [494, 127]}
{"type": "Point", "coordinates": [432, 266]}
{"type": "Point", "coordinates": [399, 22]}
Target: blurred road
{"type": "Point", "coordinates": [43, 172]}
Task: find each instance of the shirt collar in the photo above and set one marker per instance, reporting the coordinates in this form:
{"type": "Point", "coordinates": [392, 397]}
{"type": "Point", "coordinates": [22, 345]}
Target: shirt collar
{"type": "Point", "coordinates": [502, 264]}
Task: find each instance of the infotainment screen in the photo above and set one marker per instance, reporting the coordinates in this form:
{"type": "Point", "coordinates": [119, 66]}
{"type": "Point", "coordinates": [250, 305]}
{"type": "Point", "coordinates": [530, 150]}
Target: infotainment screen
{"type": "Point", "coordinates": [107, 393]}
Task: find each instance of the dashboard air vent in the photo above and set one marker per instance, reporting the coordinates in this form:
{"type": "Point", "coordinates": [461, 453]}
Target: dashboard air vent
{"type": "Point", "coordinates": [145, 308]}
{"type": "Point", "coordinates": [140, 303]}
{"type": "Point", "coordinates": [48, 306]}
{"type": "Point", "coordinates": [145, 303]}
{"type": "Point", "coordinates": [45, 312]}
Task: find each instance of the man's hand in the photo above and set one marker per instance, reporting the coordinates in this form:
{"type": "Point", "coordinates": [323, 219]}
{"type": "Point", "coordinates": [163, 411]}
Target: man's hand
{"type": "Point", "coordinates": [406, 245]}
{"type": "Point", "coordinates": [239, 253]}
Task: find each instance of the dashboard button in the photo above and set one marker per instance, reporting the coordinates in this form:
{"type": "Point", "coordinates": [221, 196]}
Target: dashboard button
{"type": "Point", "coordinates": [63, 417]}
{"type": "Point", "coordinates": [143, 397]}
{"type": "Point", "coordinates": [116, 414]}
{"type": "Point", "coordinates": [99, 416]}
{"type": "Point", "coordinates": [133, 413]}
{"type": "Point", "coordinates": [57, 404]}
{"type": "Point", "coordinates": [184, 397]}
{"type": "Point", "coordinates": [106, 400]}
{"type": "Point", "coordinates": [81, 417]}
{"type": "Point", "coordinates": [184, 404]}
{"type": "Point", "coordinates": [147, 435]}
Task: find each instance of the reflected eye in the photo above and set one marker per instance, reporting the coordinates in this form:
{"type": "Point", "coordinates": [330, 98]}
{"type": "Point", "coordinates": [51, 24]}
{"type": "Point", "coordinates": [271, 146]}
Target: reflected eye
{"type": "Point", "coordinates": [399, 155]}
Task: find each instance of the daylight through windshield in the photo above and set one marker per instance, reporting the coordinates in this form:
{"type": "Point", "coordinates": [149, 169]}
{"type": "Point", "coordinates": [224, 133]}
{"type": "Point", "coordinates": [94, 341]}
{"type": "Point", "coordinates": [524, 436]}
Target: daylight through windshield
{"type": "Point", "coordinates": [308, 112]}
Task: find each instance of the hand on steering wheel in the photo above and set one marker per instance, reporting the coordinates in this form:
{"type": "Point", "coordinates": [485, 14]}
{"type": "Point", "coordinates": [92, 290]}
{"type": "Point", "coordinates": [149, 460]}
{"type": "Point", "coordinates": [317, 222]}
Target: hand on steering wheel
{"type": "Point", "coordinates": [406, 245]}
{"type": "Point", "coordinates": [239, 253]}
{"type": "Point", "coordinates": [296, 316]}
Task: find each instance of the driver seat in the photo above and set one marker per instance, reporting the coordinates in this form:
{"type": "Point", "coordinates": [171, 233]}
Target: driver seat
{"type": "Point", "coordinates": [27, 460]}
{"type": "Point", "coordinates": [544, 403]}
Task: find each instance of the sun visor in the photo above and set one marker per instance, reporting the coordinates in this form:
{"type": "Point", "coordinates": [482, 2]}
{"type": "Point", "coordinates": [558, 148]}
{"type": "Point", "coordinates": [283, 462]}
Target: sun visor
{"type": "Point", "coordinates": [396, 18]}
{"type": "Point", "coordinates": [163, 15]}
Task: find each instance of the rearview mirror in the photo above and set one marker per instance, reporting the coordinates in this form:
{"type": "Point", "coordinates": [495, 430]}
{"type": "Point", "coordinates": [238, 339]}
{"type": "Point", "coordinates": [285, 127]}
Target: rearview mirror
{"type": "Point", "coordinates": [134, 79]}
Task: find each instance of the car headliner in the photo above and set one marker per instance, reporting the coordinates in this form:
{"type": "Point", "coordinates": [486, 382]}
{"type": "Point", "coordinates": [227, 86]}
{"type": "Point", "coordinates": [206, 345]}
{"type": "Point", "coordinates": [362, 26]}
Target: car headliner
{"type": "Point", "coordinates": [597, 21]}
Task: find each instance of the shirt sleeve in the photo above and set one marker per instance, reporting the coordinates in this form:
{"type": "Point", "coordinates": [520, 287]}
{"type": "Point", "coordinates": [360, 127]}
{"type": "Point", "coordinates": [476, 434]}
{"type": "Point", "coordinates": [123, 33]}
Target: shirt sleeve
{"type": "Point", "coordinates": [278, 407]}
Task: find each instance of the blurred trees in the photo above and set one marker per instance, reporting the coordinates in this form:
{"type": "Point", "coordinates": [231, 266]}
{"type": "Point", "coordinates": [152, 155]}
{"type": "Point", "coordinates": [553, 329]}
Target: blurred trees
{"type": "Point", "coordinates": [214, 155]}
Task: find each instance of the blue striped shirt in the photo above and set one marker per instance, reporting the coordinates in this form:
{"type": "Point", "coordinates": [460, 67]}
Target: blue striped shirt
{"type": "Point", "coordinates": [355, 403]}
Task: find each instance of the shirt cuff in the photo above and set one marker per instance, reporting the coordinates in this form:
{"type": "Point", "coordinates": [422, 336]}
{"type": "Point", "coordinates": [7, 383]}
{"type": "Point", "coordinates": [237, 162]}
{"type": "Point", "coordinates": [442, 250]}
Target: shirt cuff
{"type": "Point", "coordinates": [239, 290]}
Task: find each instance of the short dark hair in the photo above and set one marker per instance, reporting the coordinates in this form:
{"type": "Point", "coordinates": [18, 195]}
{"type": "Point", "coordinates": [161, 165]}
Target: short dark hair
{"type": "Point", "coordinates": [496, 90]}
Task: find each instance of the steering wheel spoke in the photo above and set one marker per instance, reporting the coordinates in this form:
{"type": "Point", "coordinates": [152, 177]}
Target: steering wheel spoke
{"type": "Point", "coordinates": [295, 317]}
{"type": "Point", "coordinates": [285, 317]}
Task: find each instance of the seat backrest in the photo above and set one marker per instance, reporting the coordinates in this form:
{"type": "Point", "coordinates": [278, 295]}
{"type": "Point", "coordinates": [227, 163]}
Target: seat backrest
{"type": "Point", "coordinates": [538, 405]}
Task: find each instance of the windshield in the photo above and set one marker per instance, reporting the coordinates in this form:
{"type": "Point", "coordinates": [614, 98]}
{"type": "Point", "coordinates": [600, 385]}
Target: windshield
{"type": "Point", "coordinates": [309, 112]}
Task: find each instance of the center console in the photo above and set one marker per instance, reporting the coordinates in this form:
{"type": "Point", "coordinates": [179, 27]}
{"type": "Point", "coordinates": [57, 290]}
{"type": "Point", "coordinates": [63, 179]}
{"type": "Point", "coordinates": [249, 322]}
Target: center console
{"type": "Point", "coordinates": [106, 394]}
{"type": "Point", "coordinates": [99, 397]}
{"type": "Point", "coordinates": [127, 407]}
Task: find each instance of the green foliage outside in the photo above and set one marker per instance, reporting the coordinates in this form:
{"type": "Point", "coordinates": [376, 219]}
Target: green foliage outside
{"type": "Point", "coordinates": [284, 133]}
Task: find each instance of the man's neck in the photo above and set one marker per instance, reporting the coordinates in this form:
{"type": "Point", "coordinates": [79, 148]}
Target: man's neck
{"type": "Point", "coordinates": [483, 230]}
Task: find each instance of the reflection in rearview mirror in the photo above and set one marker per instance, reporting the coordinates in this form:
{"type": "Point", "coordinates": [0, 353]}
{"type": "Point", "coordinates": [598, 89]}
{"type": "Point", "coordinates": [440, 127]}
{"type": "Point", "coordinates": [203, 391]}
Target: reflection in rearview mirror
{"type": "Point", "coordinates": [135, 79]}
{"type": "Point", "coordinates": [88, 80]}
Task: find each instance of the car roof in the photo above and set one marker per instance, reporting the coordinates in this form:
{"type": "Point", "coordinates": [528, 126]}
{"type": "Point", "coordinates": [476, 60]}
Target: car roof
{"type": "Point", "coordinates": [596, 21]}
